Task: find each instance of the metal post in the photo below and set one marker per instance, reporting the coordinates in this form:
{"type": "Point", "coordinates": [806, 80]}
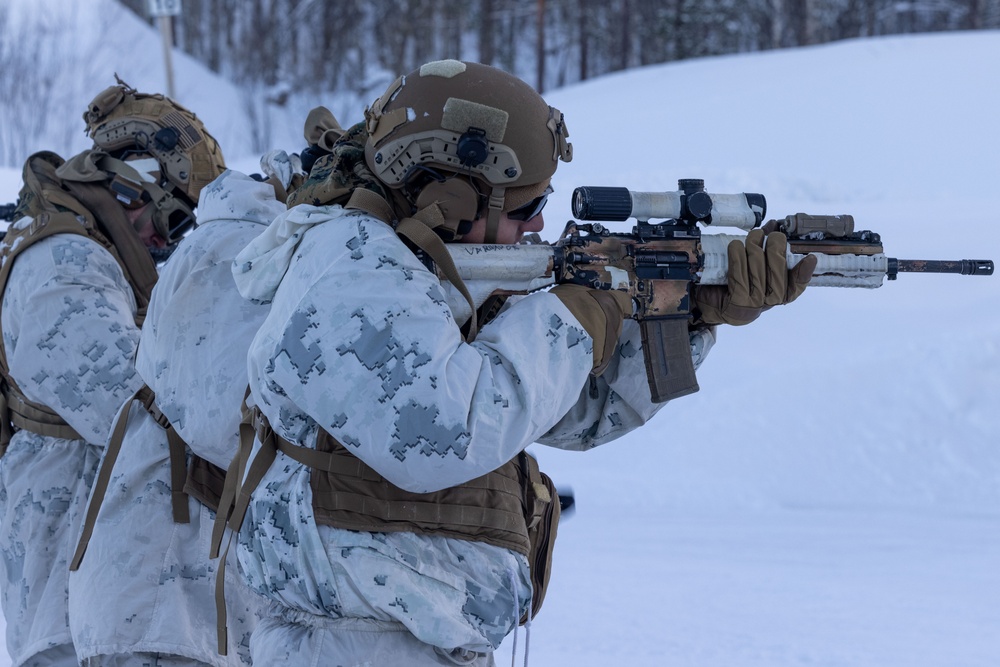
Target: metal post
{"type": "Point", "coordinates": [163, 11]}
{"type": "Point", "coordinates": [166, 31]}
{"type": "Point", "coordinates": [540, 45]}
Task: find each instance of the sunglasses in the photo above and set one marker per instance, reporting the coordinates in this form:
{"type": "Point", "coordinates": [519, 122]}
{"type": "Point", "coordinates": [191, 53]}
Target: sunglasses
{"type": "Point", "coordinates": [532, 208]}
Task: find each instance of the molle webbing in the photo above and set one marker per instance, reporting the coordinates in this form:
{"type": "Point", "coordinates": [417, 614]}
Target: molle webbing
{"type": "Point", "coordinates": [506, 508]}
{"type": "Point", "coordinates": [349, 494]}
{"type": "Point", "coordinates": [178, 470]}
{"type": "Point", "coordinates": [17, 412]}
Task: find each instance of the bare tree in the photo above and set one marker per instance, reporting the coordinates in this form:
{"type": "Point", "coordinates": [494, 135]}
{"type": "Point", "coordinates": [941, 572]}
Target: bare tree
{"type": "Point", "coordinates": [486, 37]}
{"type": "Point", "coordinates": [292, 47]}
{"type": "Point", "coordinates": [38, 93]}
{"type": "Point", "coordinates": [540, 46]}
{"type": "Point", "coordinates": [585, 39]}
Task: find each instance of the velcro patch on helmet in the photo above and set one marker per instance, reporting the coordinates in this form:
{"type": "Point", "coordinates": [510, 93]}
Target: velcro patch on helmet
{"type": "Point", "coordinates": [460, 115]}
{"type": "Point", "coordinates": [443, 68]}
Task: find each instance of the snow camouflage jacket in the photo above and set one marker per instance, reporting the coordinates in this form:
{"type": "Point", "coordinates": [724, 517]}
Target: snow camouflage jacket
{"type": "Point", "coordinates": [146, 583]}
{"type": "Point", "coordinates": [70, 336]}
{"type": "Point", "coordinates": [360, 341]}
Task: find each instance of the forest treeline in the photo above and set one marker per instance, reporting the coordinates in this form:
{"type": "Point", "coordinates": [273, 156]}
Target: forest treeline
{"type": "Point", "coordinates": [350, 45]}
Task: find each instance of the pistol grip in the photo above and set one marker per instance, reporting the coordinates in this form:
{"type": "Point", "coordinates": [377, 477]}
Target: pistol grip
{"type": "Point", "coordinates": [667, 353]}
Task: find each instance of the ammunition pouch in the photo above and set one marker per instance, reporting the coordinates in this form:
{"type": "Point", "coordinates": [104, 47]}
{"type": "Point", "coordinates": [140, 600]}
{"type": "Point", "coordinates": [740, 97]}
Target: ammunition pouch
{"type": "Point", "coordinates": [205, 482]}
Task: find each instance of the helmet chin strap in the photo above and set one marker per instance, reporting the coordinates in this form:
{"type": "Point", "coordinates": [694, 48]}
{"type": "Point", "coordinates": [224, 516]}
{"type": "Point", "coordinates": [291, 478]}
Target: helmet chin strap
{"type": "Point", "coordinates": [493, 214]}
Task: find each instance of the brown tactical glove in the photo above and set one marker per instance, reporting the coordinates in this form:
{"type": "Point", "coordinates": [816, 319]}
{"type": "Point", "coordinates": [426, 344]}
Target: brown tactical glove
{"type": "Point", "coordinates": [601, 312]}
{"type": "Point", "coordinates": [758, 280]}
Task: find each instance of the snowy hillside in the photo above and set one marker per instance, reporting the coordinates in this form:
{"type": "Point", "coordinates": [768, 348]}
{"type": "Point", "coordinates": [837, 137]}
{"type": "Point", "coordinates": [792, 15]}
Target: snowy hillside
{"type": "Point", "coordinates": [832, 495]}
{"type": "Point", "coordinates": [56, 33]}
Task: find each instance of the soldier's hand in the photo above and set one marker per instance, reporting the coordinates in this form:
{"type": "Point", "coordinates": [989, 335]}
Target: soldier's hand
{"type": "Point", "coordinates": [757, 280]}
{"type": "Point", "coordinates": [601, 313]}
{"type": "Point", "coordinates": [283, 171]}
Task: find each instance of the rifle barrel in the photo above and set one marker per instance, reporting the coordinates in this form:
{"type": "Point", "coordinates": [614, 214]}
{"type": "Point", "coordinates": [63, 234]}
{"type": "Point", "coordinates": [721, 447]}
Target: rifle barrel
{"type": "Point", "coordinates": [965, 267]}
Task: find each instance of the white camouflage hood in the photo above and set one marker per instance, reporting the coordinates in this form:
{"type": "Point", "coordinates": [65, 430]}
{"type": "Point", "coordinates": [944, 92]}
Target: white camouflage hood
{"type": "Point", "coordinates": [234, 195]}
{"type": "Point", "coordinates": [259, 268]}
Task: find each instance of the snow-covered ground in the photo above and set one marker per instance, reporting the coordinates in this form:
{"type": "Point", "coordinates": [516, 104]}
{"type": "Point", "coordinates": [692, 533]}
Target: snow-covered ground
{"type": "Point", "coordinates": [831, 497]}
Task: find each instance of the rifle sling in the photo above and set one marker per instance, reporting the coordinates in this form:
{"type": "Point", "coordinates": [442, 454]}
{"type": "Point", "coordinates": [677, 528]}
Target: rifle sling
{"type": "Point", "coordinates": [424, 238]}
{"type": "Point", "coordinates": [363, 199]}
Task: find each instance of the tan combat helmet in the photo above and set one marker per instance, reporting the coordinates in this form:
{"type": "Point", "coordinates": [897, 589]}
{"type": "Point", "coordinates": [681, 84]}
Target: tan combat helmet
{"type": "Point", "coordinates": [470, 138]}
{"type": "Point", "coordinates": [157, 152]}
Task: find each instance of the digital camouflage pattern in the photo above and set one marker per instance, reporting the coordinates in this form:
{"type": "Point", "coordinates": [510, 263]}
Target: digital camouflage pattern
{"type": "Point", "coordinates": [193, 355]}
{"type": "Point", "coordinates": [361, 342]}
{"type": "Point", "coordinates": [70, 337]}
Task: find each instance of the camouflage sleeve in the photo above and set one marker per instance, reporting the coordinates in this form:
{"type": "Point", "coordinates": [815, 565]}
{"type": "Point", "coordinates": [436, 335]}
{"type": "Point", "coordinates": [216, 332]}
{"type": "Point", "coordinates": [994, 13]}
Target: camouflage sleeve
{"type": "Point", "coordinates": [69, 332]}
{"type": "Point", "coordinates": [370, 351]}
{"type": "Point", "coordinates": [617, 402]}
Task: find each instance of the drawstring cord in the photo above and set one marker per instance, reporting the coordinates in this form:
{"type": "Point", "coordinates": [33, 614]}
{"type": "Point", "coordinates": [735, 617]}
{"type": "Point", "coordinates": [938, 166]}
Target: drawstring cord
{"type": "Point", "coordinates": [527, 633]}
{"type": "Point", "coordinates": [517, 615]}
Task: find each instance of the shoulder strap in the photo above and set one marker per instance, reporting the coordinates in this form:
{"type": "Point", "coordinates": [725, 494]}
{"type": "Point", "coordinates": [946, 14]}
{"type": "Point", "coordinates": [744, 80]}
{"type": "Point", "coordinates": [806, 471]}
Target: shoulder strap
{"type": "Point", "coordinates": [16, 410]}
{"type": "Point", "coordinates": [65, 207]}
{"type": "Point", "coordinates": [242, 477]}
{"type": "Point", "coordinates": [423, 236]}
{"type": "Point", "coordinates": [102, 481]}
{"type": "Point", "coordinates": [178, 452]}
{"type": "Point", "coordinates": [363, 199]}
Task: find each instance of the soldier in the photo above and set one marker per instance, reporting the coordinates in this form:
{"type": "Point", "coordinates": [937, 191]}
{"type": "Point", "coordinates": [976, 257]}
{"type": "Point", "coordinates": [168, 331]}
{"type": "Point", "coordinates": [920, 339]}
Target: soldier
{"type": "Point", "coordinates": [149, 539]}
{"type": "Point", "coordinates": [78, 267]}
{"type": "Point", "coordinates": [154, 502]}
{"type": "Point", "coordinates": [389, 510]}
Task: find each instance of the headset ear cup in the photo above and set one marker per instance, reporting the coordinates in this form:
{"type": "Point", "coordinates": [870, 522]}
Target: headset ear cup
{"type": "Point", "coordinates": [456, 197]}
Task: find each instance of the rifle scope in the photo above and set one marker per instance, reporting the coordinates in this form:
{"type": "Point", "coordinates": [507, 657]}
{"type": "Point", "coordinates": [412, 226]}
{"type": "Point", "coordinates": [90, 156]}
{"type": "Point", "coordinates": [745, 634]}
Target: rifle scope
{"type": "Point", "coordinates": [690, 204]}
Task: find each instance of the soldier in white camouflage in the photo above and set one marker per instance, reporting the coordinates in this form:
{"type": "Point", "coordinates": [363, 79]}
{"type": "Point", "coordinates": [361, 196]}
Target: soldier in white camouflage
{"type": "Point", "coordinates": [192, 357]}
{"type": "Point", "coordinates": [76, 274]}
{"type": "Point", "coordinates": [389, 510]}
{"type": "Point", "coordinates": [153, 506]}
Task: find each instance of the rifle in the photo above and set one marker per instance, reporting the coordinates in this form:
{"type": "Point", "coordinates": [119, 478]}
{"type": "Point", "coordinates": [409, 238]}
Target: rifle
{"type": "Point", "coordinates": [7, 211]}
{"type": "Point", "coordinates": [659, 263]}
